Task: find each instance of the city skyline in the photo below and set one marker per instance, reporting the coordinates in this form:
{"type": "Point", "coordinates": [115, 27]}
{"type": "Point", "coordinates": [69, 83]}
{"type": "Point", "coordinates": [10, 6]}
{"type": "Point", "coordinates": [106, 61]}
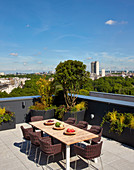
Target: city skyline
{"type": "Point", "coordinates": [36, 35]}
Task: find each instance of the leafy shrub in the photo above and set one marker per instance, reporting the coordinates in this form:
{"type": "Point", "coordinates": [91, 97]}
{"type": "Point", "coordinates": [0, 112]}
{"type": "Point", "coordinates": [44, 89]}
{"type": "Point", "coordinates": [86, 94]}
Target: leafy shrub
{"type": "Point", "coordinates": [84, 92]}
{"type": "Point", "coordinates": [60, 111]}
{"type": "Point", "coordinates": [5, 115]}
{"type": "Point", "coordinates": [79, 107]}
{"type": "Point", "coordinates": [118, 121]}
{"type": "Point", "coordinates": [62, 108]}
{"type": "Point", "coordinates": [132, 122]}
{"type": "Point", "coordinates": [40, 106]}
{"type": "Point", "coordinates": [45, 90]}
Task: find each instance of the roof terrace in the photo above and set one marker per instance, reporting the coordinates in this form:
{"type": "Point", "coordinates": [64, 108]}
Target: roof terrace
{"type": "Point", "coordinates": [115, 156]}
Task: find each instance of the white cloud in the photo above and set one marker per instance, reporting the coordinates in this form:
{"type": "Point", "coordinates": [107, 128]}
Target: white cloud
{"type": "Point", "coordinates": [14, 54]}
{"type": "Point", "coordinates": [89, 58]}
{"type": "Point", "coordinates": [37, 54]}
{"type": "Point", "coordinates": [60, 51]}
{"type": "Point", "coordinates": [72, 35]}
{"type": "Point", "coordinates": [24, 63]}
{"type": "Point", "coordinates": [123, 22]}
{"type": "Point", "coordinates": [27, 25]}
{"type": "Point", "coordinates": [110, 22]}
{"type": "Point", "coordinates": [45, 48]}
{"type": "Point", "coordinates": [41, 29]}
{"type": "Point", "coordinates": [39, 62]}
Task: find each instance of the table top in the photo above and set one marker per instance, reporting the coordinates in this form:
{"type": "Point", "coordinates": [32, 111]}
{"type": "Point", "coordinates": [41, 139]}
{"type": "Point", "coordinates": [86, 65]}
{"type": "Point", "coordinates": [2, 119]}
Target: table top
{"type": "Point", "coordinates": [81, 135]}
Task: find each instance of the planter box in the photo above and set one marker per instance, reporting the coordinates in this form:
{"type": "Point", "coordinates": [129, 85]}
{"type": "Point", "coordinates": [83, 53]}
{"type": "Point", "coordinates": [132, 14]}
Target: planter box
{"type": "Point", "coordinates": [8, 125]}
{"type": "Point", "coordinates": [126, 137]}
{"type": "Point", "coordinates": [79, 116]}
{"type": "Point", "coordinates": [49, 114]}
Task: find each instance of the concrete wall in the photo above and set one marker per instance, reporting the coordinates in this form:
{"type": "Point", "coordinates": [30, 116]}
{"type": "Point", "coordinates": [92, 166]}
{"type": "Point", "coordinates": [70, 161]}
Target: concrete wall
{"type": "Point", "coordinates": [96, 107]}
{"type": "Point", "coordinates": [19, 105]}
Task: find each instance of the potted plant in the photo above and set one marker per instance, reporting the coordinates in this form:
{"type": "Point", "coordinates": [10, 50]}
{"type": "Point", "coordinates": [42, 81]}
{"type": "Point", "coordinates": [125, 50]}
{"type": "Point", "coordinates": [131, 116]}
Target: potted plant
{"type": "Point", "coordinates": [7, 119]}
{"type": "Point", "coordinates": [43, 107]}
{"type": "Point", "coordinates": [119, 126]}
{"type": "Point", "coordinates": [71, 75]}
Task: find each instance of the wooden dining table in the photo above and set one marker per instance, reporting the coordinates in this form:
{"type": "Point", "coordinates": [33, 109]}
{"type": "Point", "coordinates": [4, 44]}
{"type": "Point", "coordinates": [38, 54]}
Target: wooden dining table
{"type": "Point", "coordinates": [79, 136]}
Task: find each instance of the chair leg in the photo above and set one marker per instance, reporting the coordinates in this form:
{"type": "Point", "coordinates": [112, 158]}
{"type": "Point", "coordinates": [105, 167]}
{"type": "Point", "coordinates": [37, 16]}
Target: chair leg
{"type": "Point", "coordinates": [63, 155]}
{"type": "Point", "coordinates": [48, 158]}
{"type": "Point", "coordinates": [22, 144]}
{"type": "Point", "coordinates": [75, 163]}
{"type": "Point", "coordinates": [35, 158]}
{"type": "Point", "coordinates": [90, 141]}
{"type": "Point", "coordinates": [89, 163]}
{"type": "Point", "coordinates": [101, 163]}
{"type": "Point", "coordinates": [53, 157]}
{"type": "Point", "coordinates": [30, 149]}
{"type": "Point", "coordinates": [27, 147]}
{"type": "Point", "coordinates": [39, 157]}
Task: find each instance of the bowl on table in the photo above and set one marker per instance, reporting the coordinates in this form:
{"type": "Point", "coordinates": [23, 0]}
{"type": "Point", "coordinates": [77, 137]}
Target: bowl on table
{"type": "Point", "coordinates": [70, 131]}
{"type": "Point", "coordinates": [59, 126]}
{"type": "Point", "coordinates": [49, 122]}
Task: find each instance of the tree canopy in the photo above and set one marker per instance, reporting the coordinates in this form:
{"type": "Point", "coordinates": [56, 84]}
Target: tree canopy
{"type": "Point", "coordinates": [71, 74]}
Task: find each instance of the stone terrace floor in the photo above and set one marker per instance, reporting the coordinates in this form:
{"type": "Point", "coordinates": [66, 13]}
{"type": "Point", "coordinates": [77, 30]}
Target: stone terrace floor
{"type": "Point", "coordinates": [115, 156]}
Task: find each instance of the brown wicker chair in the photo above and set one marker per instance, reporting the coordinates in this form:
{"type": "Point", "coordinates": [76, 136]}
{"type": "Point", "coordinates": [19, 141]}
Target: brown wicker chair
{"type": "Point", "coordinates": [82, 125]}
{"type": "Point", "coordinates": [49, 149]}
{"type": "Point", "coordinates": [71, 121]}
{"type": "Point", "coordinates": [98, 131]}
{"type": "Point", "coordinates": [26, 136]}
{"type": "Point", "coordinates": [36, 118]}
{"type": "Point", "coordinates": [89, 152]}
{"type": "Point", "coordinates": [34, 139]}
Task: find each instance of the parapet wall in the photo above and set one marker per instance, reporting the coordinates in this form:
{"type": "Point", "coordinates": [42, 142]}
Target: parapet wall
{"type": "Point", "coordinates": [112, 96]}
{"type": "Point", "coordinates": [97, 107]}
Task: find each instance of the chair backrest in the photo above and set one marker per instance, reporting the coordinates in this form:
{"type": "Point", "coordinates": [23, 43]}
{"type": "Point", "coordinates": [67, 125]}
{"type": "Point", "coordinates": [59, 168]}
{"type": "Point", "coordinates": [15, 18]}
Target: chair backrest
{"type": "Point", "coordinates": [26, 132]}
{"type": "Point", "coordinates": [34, 138]}
{"type": "Point", "coordinates": [82, 125]}
{"type": "Point", "coordinates": [36, 118]}
{"type": "Point", "coordinates": [46, 146]}
{"type": "Point", "coordinates": [93, 151]}
{"type": "Point", "coordinates": [71, 121]}
{"type": "Point", "coordinates": [98, 131]}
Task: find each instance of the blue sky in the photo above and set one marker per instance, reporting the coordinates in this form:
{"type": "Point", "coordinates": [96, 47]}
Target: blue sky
{"type": "Point", "coordinates": [35, 35]}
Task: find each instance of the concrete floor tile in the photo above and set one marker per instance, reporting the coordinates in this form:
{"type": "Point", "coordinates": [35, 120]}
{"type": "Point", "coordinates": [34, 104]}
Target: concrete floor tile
{"type": "Point", "coordinates": [109, 157]}
{"type": "Point", "coordinates": [11, 164]}
{"type": "Point", "coordinates": [129, 156]}
{"type": "Point", "coordinates": [108, 167]}
{"type": "Point", "coordinates": [122, 164]}
{"type": "Point", "coordinates": [116, 156]}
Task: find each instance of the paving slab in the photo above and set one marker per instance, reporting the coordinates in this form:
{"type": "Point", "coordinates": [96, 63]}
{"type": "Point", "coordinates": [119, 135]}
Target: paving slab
{"type": "Point", "coordinates": [115, 156]}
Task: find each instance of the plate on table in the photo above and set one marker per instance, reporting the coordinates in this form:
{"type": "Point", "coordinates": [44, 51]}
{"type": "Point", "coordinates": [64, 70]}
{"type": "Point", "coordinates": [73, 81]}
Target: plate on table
{"type": "Point", "coordinates": [49, 122]}
{"type": "Point", "coordinates": [69, 133]}
{"type": "Point", "coordinates": [59, 128]}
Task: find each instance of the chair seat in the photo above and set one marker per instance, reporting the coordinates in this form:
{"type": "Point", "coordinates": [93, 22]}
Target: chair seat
{"type": "Point", "coordinates": [88, 152]}
{"type": "Point", "coordinates": [96, 130]}
{"type": "Point", "coordinates": [34, 138]}
{"type": "Point", "coordinates": [71, 121]}
{"type": "Point", "coordinates": [82, 125]}
{"type": "Point", "coordinates": [48, 149]}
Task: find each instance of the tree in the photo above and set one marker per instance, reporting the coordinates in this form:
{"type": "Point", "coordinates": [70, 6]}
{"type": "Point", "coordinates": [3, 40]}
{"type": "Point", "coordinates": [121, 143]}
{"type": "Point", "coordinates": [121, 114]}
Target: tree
{"type": "Point", "coordinates": [71, 75]}
{"type": "Point", "coordinates": [45, 91]}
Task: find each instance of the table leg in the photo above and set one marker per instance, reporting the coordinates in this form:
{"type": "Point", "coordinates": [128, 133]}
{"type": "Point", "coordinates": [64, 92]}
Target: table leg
{"type": "Point", "coordinates": [33, 128]}
{"type": "Point", "coordinates": [41, 133]}
{"type": "Point", "coordinates": [67, 157]}
{"type": "Point", "coordinates": [95, 160]}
